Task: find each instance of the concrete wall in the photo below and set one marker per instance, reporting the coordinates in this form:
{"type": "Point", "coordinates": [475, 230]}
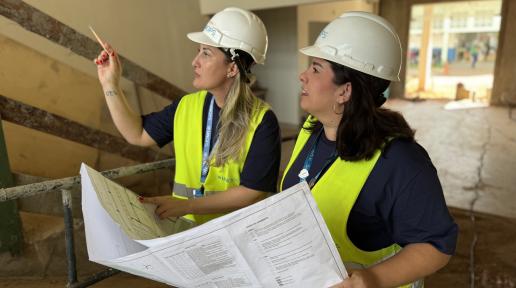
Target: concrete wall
{"type": "Point", "coordinates": [504, 88]}
{"type": "Point", "coordinates": [398, 13]}
{"type": "Point", "coordinates": [278, 74]}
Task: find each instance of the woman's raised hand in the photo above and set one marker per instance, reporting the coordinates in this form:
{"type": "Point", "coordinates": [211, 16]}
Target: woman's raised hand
{"type": "Point", "coordinates": [109, 68]}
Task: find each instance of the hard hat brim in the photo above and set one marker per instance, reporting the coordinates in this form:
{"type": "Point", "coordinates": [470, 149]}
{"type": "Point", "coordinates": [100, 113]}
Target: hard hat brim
{"type": "Point", "coordinates": [201, 38]}
{"type": "Point", "coordinates": [315, 51]}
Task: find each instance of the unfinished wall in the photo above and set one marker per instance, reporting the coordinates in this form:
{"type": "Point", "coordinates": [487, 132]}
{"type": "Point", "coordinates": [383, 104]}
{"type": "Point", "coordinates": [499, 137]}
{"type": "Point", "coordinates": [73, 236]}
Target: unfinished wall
{"type": "Point", "coordinates": [504, 86]}
{"type": "Point", "coordinates": [150, 33]}
{"type": "Point", "coordinates": [278, 75]}
{"type": "Point", "coordinates": [39, 73]}
{"type": "Point", "coordinates": [35, 79]}
{"type": "Point", "coordinates": [398, 13]}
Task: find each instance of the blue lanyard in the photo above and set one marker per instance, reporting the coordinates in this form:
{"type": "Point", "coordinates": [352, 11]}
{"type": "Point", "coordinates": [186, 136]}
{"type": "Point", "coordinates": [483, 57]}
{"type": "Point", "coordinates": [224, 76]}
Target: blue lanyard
{"type": "Point", "coordinates": [304, 173]}
{"type": "Point", "coordinates": [206, 151]}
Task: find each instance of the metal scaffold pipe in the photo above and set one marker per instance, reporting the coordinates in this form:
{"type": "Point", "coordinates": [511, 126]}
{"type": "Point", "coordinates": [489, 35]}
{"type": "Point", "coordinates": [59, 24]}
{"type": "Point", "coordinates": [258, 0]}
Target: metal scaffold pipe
{"type": "Point", "coordinates": [23, 191]}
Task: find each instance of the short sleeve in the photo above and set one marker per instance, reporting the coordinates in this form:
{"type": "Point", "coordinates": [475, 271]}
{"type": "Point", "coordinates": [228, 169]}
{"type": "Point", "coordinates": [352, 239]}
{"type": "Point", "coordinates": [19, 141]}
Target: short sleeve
{"type": "Point", "coordinates": [420, 214]}
{"type": "Point", "coordinates": [160, 125]}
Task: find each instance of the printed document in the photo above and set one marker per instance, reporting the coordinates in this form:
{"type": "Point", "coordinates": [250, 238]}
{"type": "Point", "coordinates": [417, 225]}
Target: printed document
{"type": "Point", "coordinates": [281, 241]}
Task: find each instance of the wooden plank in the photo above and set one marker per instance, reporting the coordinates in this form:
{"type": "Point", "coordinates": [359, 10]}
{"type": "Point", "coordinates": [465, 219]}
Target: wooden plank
{"type": "Point", "coordinates": [40, 23]}
{"type": "Point", "coordinates": [34, 118]}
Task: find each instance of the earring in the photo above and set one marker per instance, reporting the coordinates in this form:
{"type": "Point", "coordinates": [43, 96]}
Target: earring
{"type": "Point", "coordinates": [335, 111]}
{"type": "Point", "coordinates": [228, 75]}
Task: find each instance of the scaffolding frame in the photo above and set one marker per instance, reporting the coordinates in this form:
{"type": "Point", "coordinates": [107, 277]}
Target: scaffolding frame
{"type": "Point", "coordinates": [64, 185]}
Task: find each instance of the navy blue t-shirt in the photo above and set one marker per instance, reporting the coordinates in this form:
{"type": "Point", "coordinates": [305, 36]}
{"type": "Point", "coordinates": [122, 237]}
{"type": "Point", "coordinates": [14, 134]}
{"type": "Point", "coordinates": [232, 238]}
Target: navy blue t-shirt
{"type": "Point", "coordinates": [401, 202]}
{"type": "Point", "coordinates": [261, 167]}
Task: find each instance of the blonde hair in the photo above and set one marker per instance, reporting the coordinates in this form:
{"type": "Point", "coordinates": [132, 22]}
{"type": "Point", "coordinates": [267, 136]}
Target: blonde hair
{"type": "Point", "coordinates": [235, 116]}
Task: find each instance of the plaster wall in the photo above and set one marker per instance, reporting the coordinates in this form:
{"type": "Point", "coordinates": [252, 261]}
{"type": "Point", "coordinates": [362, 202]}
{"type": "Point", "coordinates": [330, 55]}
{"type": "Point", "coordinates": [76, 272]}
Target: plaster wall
{"type": "Point", "coordinates": [278, 74]}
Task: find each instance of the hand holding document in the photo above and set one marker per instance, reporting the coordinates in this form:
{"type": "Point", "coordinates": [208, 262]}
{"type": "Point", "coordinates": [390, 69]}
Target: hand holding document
{"type": "Point", "coordinates": [281, 241]}
{"type": "Point", "coordinates": [136, 219]}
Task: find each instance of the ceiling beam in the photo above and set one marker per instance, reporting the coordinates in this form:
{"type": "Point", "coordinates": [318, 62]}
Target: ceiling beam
{"type": "Point", "coordinates": [43, 121]}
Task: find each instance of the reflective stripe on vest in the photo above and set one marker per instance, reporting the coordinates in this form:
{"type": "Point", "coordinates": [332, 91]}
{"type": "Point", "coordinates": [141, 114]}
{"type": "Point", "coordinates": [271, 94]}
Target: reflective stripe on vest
{"type": "Point", "coordinates": [335, 194]}
{"type": "Point", "coordinates": [183, 191]}
{"type": "Point", "coordinates": [188, 122]}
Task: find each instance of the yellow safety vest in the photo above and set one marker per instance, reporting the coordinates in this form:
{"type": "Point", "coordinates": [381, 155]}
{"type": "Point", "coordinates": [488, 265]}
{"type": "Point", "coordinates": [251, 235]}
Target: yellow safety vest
{"type": "Point", "coordinates": [335, 194]}
{"type": "Point", "coordinates": [188, 144]}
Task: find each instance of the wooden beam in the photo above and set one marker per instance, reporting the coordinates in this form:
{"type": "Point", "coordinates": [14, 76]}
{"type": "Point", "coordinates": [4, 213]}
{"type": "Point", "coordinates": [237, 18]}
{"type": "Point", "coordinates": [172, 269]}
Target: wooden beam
{"type": "Point", "coordinates": [40, 23]}
{"type": "Point", "coordinates": [34, 118]}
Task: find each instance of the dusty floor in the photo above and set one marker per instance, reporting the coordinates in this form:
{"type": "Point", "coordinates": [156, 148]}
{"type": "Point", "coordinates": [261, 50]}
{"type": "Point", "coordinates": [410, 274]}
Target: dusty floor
{"type": "Point", "coordinates": [494, 257]}
{"type": "Point", "coordinates": [474, 152]}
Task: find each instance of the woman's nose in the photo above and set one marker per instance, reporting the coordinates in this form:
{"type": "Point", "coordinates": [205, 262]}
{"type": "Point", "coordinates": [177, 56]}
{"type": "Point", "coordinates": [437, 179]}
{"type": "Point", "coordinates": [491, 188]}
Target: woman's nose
{"type": "Point", "coordinates": [302, 77]}
{"type": "Point", "coordinates": [195, 61]}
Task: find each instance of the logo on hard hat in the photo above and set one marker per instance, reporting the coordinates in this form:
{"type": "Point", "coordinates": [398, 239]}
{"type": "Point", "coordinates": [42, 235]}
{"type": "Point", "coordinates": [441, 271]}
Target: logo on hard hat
{"type": "Point", "coordinates": [210, 30]}
{"type": "Point", "coordinates": [323, 34]}
{"type": "Point", "coordinates": [213, 33]}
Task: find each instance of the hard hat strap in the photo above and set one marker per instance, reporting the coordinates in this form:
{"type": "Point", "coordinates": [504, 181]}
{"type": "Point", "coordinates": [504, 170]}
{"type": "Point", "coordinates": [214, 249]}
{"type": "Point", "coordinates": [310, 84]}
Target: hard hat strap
{"type": "Point", "coordinates": [235, 57]}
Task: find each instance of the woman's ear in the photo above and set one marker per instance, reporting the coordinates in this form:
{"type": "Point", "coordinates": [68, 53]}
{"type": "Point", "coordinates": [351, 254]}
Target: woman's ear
{"type": "Point", "coordinates": [344, 92]}
{"type": "Point", "coordinates": [232, 70]}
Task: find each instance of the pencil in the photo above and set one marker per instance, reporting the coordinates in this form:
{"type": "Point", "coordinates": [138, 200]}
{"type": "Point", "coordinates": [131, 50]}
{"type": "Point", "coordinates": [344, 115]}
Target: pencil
{"type": "Point", "coordinates": [99, 40]}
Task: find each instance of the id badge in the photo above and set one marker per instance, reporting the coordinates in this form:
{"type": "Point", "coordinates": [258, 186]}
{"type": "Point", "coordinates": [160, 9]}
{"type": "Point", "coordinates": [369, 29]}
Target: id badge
{"type": "Point", "coordinates": [197, 193]}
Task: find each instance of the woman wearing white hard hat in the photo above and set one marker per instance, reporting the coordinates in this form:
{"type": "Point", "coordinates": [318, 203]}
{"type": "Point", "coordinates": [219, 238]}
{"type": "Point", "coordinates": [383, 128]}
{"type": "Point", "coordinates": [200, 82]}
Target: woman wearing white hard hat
{"type": "Point", "coordinates": [226, 140]}
{"type": "Point", "coordinates": [375, 186]}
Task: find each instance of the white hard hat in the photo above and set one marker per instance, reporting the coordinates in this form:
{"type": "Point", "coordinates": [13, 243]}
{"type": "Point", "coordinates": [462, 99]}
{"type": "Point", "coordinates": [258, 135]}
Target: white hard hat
{"type": "Point", "coordinates": [363, 41]}
{"type": "Point", "coordinates": [235, 28]}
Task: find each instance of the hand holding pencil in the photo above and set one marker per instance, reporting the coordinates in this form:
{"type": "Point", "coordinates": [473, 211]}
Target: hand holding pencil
{"type": "Point", "coordinates": [109, 68]}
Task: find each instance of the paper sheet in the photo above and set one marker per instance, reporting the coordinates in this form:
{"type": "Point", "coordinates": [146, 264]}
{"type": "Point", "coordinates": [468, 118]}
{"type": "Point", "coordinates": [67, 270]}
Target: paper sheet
{"type": "Point", "coordinates": [136, 219]}
{"type": "Point", "coordinates": [281, 241]}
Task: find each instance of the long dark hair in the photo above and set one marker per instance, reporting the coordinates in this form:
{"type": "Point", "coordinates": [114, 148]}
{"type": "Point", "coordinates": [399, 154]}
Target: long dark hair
{"type": "Point", "coordinates": [365, 126]}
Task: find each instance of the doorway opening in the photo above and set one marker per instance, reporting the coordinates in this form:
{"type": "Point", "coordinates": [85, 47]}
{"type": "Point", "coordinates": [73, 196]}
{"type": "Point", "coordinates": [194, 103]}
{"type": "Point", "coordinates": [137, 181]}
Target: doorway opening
{"type": "Point", "coordinates": [452, 51]}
